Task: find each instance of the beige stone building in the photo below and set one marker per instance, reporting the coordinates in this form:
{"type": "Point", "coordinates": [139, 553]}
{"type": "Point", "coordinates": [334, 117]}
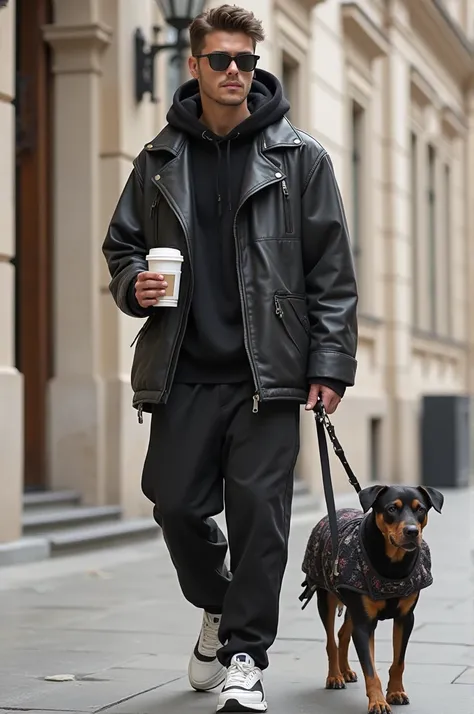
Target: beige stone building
{"type": "Point", "coordinates": [387, 86]}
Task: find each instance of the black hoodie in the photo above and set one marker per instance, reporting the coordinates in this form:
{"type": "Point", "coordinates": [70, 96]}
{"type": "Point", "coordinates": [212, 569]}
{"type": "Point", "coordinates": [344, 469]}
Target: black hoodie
{"type": "Point", "coordinates": [213, 349]}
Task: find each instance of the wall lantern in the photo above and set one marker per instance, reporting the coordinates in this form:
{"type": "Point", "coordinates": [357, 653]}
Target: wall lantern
{"type": "Point", "coordinates": [178, 14]}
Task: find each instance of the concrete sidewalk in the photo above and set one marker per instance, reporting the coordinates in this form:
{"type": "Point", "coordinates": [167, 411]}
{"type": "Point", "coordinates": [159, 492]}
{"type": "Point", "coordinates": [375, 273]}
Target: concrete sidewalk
{"type": "Point", "coordinates": [116, 621]}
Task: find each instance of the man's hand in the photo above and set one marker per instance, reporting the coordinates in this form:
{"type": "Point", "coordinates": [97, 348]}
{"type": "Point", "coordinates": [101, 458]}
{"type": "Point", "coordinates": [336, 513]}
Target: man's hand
{"type": "Point", "coordinates": [149, 288]}
{"type": "Point", "coordinates": [330, 398]}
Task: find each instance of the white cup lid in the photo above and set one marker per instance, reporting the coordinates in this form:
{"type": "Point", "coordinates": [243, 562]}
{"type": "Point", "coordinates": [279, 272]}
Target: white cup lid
{"type": "Point", "coordinates": [164, 254]}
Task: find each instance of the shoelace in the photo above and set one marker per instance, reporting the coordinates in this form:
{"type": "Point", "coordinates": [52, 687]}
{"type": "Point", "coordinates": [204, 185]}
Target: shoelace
{"type": "Point", "coordinates": [237, 672]}
{"type": "Point", "coordinates": [209, 640]}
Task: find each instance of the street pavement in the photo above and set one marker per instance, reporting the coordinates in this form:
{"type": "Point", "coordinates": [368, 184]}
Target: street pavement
{"type": "Point", "coordinates": [115, 620]}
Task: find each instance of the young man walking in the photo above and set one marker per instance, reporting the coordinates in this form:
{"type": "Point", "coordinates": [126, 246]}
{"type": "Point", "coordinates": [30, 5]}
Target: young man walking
{"type": "Point", "coordinates": [266, 321]}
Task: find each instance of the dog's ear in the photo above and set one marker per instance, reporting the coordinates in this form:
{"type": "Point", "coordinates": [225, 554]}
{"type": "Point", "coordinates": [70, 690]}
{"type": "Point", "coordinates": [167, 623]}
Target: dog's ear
{"type": "Point", "coordinates": [434, 497]}
{"type": "Point", "coordinates": [369, 495]}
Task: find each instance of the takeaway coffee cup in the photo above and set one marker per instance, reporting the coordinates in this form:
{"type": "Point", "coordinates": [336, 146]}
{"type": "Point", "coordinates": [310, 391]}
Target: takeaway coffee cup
{"type": "Point", "coordinates": [167, 262]}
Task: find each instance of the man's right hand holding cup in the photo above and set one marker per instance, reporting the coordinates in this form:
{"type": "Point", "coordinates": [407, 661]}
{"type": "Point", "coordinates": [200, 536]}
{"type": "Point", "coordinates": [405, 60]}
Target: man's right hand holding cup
{"type": "Point", "coordinates": [149, 288]}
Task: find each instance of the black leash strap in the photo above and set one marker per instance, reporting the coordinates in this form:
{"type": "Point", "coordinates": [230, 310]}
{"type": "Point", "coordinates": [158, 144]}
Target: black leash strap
{"type": "Point", "coordinates": [323, 422]}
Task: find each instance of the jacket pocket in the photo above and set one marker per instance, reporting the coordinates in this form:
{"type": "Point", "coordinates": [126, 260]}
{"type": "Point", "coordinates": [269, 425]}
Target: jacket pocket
{"type": "Point", "coordinates": [291, 311]}
{"type": "Point", "coordinates": [154, 217]}
{"type": "Point", "coordinates": [287, 208]}
{"type": "Point", "coordinates": [141, 332]}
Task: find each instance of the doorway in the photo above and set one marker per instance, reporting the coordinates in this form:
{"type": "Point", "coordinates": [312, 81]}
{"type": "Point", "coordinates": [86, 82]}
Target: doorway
{"type": "Point", "coordinates": [33, 259]}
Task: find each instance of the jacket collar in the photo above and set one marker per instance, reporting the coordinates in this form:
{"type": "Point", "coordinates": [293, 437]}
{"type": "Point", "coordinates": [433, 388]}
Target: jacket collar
{"type": "Point", "coordinates": [263, 168]}
{"type": "Point", "coordinates": [280, 134]}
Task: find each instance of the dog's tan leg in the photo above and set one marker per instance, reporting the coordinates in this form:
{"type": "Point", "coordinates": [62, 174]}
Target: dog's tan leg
{"type": "Point", "coordinates": [327, 605]}
{"type": "Point", "coordinates": [344, 636]}
{"type": "Point", "coordinates": [402, 628]}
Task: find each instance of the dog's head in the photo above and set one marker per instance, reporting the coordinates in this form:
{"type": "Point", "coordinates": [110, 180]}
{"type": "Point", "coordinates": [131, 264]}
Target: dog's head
{"type": "Point", "coordinates": [401, 513]}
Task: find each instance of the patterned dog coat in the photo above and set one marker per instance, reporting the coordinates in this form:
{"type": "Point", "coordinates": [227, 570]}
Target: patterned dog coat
{"type": "Point", "coordinates": [355, 571]}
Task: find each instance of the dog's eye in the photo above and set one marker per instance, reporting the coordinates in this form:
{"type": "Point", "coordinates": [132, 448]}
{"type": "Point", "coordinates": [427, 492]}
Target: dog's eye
{"type": "Point", "coordinates": [420, 509]}
{"type": "Point", "coordinates": [392, 509]}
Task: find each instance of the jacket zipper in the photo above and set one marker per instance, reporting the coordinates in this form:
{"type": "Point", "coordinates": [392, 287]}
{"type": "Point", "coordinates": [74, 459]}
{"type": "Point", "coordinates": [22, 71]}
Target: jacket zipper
{"type": "Point", "coordinates": [257, 396]}
{"type": "Point", "coordinates": [287, 207]}
{"type": "Point", "coordinates": [179, 339]}
{"type": "Point", "coordinates": [279, 312]}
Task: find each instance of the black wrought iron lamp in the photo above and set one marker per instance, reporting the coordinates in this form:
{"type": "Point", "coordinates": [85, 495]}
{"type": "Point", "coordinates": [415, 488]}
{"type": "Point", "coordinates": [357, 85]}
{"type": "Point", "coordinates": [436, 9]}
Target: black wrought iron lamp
{"type": "Point", "coordinates": [178, 14]}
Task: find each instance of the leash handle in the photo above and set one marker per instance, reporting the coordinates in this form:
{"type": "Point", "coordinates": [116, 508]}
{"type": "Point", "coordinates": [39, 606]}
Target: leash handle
{"type": "Point", "coordinates": [322, 415]}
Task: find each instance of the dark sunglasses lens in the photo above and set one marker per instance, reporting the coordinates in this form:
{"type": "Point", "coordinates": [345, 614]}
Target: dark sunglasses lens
{"type": "Point", "coordinates": [218, 62]}
{"type": "Point", "coordinates": [246, 63]}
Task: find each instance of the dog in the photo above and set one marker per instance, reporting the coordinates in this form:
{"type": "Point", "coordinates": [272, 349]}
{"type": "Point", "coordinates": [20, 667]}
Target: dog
{"type": "Point", "coordinates": [382, 565]}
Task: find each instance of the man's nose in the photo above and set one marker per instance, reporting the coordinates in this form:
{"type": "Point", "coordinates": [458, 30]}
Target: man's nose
{"type": "Point", "coordinates": [232, 68]}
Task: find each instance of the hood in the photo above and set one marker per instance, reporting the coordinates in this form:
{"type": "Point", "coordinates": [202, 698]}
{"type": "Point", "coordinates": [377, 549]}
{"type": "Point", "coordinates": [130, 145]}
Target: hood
{"type": "Point", "coordinates": [265, 101]}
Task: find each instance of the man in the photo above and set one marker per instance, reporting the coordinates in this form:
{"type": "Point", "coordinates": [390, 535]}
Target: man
{"type": "Point", "coordinates": [266, 316]}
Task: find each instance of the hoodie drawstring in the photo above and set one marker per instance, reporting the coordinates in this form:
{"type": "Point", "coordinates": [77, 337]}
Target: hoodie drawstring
{"type": "Point", "coordinates": [217, 144]}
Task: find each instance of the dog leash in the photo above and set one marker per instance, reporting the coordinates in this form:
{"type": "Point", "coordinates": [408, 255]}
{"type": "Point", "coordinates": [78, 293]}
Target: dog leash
{"type": "Point", "coordinates": [323, 424]}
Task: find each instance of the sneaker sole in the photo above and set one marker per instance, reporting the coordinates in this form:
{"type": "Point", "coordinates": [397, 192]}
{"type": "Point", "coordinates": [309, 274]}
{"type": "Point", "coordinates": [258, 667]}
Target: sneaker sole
{"type": "Point", "coordinates": [232, 705]}
{"type": "Point", "coordinates": [218, 679]}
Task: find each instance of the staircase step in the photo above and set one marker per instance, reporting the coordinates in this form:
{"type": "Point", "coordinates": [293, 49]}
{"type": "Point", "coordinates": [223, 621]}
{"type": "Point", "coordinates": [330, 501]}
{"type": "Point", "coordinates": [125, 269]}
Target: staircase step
{"type": "Point", "coordinates": [50, 499]}
{"type": "Point", "coordinates": [107, 534]}
{"type": "Point", "coordinates": [45, 521]}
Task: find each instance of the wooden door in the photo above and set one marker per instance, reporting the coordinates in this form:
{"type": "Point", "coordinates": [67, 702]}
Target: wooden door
{"type": "Point", "coordinates": [33, 104]}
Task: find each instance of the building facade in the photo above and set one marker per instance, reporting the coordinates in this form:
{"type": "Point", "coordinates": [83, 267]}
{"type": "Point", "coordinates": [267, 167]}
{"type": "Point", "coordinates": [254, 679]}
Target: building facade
{"type": "Point", "coordinates": [387, 86]}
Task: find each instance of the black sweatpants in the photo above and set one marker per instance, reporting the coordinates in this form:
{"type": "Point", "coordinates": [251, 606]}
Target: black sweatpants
{"type": "Point", "coordinates": [205, 446]}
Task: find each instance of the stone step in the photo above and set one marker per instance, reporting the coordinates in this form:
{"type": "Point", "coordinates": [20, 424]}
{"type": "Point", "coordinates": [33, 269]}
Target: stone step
{"type": "Point", "coordinates": [41, 522]}
{"type": "Point", "coordinates": [50, 499]}
{"type": "Point", "coordinates": [107, 534]}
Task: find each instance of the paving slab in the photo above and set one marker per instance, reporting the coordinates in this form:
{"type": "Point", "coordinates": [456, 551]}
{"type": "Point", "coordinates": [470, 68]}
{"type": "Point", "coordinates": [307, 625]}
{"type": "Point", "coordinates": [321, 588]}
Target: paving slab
{"type": "Point", "coordinates": [90, 693]}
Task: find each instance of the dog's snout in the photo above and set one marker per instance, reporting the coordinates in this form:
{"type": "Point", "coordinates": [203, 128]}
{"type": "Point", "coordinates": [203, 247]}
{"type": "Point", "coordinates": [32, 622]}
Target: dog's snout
{"type": "Point", "coordinates": [410, 531]}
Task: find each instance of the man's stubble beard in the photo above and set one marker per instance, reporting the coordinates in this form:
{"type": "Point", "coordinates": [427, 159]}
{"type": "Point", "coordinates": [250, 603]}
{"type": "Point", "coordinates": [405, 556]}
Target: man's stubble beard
{"type": "Point", "coordinates": [237, 102]}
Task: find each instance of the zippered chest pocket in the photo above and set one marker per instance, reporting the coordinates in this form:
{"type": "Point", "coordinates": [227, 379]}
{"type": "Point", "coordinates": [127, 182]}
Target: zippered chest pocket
{"type": "Point", "coordinates": [287, 210]}
{"type": "Point", "coordinates": [154, 217]}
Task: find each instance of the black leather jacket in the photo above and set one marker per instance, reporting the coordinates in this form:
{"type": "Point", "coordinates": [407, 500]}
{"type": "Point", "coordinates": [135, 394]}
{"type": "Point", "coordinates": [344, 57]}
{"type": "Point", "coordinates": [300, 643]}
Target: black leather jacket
{"type": "Point", "coordinates": [294, 263]}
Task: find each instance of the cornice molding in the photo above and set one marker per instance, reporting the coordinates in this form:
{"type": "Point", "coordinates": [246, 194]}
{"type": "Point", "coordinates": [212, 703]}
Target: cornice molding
{"type": "Point", "coordinates": [363, 32]}
{"type": "Point", "coordinates": [77, 48]}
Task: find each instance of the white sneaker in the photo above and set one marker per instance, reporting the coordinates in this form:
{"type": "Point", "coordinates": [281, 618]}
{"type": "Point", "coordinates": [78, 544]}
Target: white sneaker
{"type": "Point", "coordinates": [205, 671]}
{"type": "Point", "coordinates": [243, 689]}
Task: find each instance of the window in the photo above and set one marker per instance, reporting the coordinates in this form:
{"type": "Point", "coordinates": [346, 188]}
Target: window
{"type": "Point", "coordinates": [448, 249]}
{"type": "Point", "coordinates": [375, 444]}
{"type": "Point", "coordinates": [414, 229]}
{"type": "Point", "coordinates": [432, 238]}
{"type": "Point", "coordinates": [357, 153]}
{"type": "Point", "coordinates": [289, 80]}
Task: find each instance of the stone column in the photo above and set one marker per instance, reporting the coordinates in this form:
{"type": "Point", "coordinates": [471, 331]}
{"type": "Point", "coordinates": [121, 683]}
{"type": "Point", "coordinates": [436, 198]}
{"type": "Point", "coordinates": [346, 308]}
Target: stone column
{"type": "Point", "coordinates": [403, 421]}
{"type": "Point", "coordinates": [76, 405]}
{"type": "Point", "coordinates": [125, 128]}
{"type": "Point", "coordinates": [470, 258]}
{"type": "Point", "coordinates": [11, 384]}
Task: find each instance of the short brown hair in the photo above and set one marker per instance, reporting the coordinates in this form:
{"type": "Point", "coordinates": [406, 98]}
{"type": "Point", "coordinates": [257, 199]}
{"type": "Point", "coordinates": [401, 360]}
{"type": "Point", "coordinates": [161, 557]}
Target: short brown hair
{"type": "Point", "coordinates": [228, 18]}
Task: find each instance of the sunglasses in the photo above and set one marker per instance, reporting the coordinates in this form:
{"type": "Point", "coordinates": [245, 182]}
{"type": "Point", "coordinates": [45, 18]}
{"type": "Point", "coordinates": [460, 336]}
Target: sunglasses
{"type": "Point", "coordinates": [220, 61]}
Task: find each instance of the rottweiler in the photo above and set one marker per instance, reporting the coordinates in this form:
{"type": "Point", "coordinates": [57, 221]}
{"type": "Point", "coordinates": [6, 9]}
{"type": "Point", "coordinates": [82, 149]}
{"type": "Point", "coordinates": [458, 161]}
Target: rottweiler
{"type": "Point", "coordinates": [382, 564]}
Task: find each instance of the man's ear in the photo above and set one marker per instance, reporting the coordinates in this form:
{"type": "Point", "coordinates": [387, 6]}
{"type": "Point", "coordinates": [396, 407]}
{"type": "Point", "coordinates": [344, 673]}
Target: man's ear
{"type": "Point", "coordinates": [434, 497]}
{"type": "Point", "coordinates": [369, 495]}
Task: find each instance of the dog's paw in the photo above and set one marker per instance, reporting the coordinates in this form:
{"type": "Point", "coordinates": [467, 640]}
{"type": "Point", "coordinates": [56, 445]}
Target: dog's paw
{"type": "Point", "coordinates": [335, 682]}
{"type": "Point", "coordinates": [398, 698]}
{"type": "Point", "coordinates": [379, 706]}
{"type": "Point", "coordinates": [349, 676]}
